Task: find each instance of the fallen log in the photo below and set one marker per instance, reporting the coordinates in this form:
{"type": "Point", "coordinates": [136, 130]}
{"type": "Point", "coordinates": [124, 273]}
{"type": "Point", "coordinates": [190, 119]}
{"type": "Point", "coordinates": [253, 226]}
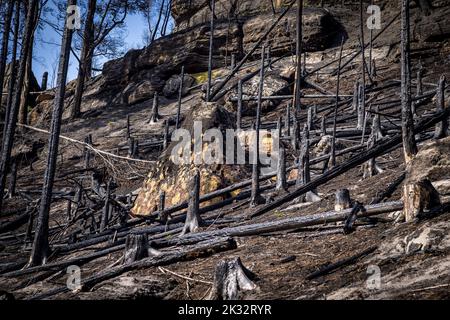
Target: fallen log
{"type": "Point", "coordinates": [279, 225]}
{"type": "Point", "coordinates": [202, 249]}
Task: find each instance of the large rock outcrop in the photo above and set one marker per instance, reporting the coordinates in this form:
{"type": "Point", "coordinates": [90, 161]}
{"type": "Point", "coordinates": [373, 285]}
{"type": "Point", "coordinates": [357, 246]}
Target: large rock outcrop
{"type": "Point", "coordinates": [174, 178]}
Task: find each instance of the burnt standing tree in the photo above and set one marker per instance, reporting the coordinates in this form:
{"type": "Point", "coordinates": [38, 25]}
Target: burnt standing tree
{"type": "Point", "coordinates": [40, 250]}
{"type": "Point", "coordinates": [98, 40]}
{"type": "Point", "coordinates": [333, 141]}
{"type": "Point", "coordinates": [256, 197]}
{"type": "Point", "coordinates": [211, 48]}
{"type": "Point", "coordinates": [409, 141]}
{"type": "Point", "coordinates": [4, 49]}
{"type": "Point", "coordinates": [12, 79]}
{"type": "Point", "coordinates": [298, 55]}
{"type": "Point", "coordinates": [12, 123]}
{"type": "Point", "coordinates": [88, 36]}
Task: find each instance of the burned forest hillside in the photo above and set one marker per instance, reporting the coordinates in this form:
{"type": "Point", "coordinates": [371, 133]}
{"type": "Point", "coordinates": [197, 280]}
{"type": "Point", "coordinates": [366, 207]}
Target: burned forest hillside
{"type": "Point", "coordinates": [351, 202]}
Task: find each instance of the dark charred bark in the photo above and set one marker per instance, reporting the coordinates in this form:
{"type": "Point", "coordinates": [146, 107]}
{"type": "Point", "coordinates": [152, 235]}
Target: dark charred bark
{"type": "Point", "coordinates": [211, 48]}
{"type": "Point", "coordinates": [180, 96]}
{"type": "Point", "coordinates": [281, 169]}
{"type": "Point", "coordinates": [5, 39]}
{"type": "Point", "coordinates": [239, 106]}
{"type": "Point", "coordinates": [409, 141]}
{"type": "Point", "coordinates": [193, 219]}
{"type": "Point", "coordinates": [166, 135]}
{"type": "Point", "coordinates": [441, 128]}
{"type": "Point", "coordinates": [154, 117]}
{"type": "Point", "coordinates": [12, 123]}
{"type": "Point", "coordinates": [136, 248]}
{"type": "Point", "coordinates": [298, 56]}
{"type": "Point", "coordinates": [86, 51]}
{"type": "Point", "coordinates": [287, 123]}
{"type": "Point", "coordinates": [256, 198]}
{"type": "Point", "coordinates": [44, 81]}
{"type": "Point", "coordinates": [106, 207]}
{"type": "Point", "coordinates": [12, 180]}
{"type": "Point", "coordinates": [343, 200]}
{"type": "Point", "coordinates": [230, 279]}
{"type": "Point", "coordinates": [41, 248]}
{"type": "Point", "coordinates": [333, 141]}
{"type": "Point", "coordinates": [12, 80]}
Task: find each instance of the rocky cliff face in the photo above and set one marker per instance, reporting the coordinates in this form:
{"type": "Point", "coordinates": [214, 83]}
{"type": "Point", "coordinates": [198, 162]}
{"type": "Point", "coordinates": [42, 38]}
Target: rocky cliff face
{"type": "Point", "coordinates": [139, 74]}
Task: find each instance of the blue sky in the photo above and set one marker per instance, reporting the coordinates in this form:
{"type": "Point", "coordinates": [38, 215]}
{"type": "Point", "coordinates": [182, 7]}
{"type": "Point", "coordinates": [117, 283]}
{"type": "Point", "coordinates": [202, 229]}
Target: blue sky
{"type": "Point", "coordinates": [48, 42]}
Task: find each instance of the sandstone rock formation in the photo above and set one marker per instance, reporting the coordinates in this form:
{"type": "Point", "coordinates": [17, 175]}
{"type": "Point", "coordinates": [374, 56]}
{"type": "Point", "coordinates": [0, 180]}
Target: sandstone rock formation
{"type": "Point", "coordinates": [135, 77]}
{"type": "Point", "coordinates": [174, 178]}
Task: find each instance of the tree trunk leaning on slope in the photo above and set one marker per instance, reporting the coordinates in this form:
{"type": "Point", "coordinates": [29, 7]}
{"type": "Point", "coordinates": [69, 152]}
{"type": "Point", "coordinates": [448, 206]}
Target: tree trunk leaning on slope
{"type": "Point", "coordinates": [5, 156]}
{"type": "Point", "coordinates": [5, 38]}
{"type": "Point", "coordinates": [85, 60]}
{"type": "Point", "coordinates": [409, 141]}
{"type": "Point", "coordinates": [40, 250]}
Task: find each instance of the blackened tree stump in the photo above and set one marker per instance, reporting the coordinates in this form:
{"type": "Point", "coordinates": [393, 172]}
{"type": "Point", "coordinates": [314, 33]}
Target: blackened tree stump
{"type": "Point", "coordinates": [136, 248]}
{"type": "Point", "coordinates": [419, 198]}
{"type": "Point", "coordinates": [343, 200]}
{"type": "Point", "coordinates": [193, 219]}
{"type": "Point", "coordinates": [230, 279]}
{"type": "Point", "coordinates": [281, 171]}
{"type": "Point", "coordinates": [155, 109]}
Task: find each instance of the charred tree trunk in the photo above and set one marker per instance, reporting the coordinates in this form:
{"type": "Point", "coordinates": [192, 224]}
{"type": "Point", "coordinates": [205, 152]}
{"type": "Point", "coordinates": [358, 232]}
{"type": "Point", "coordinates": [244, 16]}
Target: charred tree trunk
{"type": "Point", "coordinates": [136, 248]}
{"type": "Point", "coordinates": [5, 40]}
{"type": "Point", "coordinates": [441, 128]}
{"type": "Point", "coordinates": [154, 117]}
{"type": "Point", "coordinates": [360, 110]}
{"type": "Point", "coordinates": [180, 96]}
{"type": "Point", "coordinates": [333, 141]}
{"type": "Point", "coordinates": [409, 141]}
{"type": "Point", "coordinates": [295, 134]}
{"type": "Point", "coordinates": [363, 68]}
{"type": "Point", "coordinates": [12, 180]}
{"type": "Point", "coordinates": [12, 123]}
{"type": "Point", "coordinates": [41, 248]}
{"type": "Point", "coordinates": [211, 48]}
{"type": "Point", "coordinates": [106, 207]}
{"type": "Point", "coordinates": [287, 123]}
{"type": "Point", "coordinates": [158, 22]}
{"type": "Point", "coordinates": [44, 81]}
{"type": "Point", "coordinates": [193, 219]}
{"type": "Point", "coordinates": [12, 79]}
{"type": "Point", "coordinates": [256, 198]}
{"type": "Point", "coordinates": [239, 106]}
{"type": "Point", "coordinates": [166, 135]}
{"type": "Point", "coordinates": [281, 172]}
{"type": "Point", "coordinates": [25, 95]}
{"type": "Point", "coordinates": [355, 97]}
{"type": "Point", "coordinates": [86, 51]}
{"type": "Point", "coordinates": [298, 56]}
{"type": "Point", "coordinates": [343, 200]}
{"type": "Point", "coordinates": [371, 168]}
